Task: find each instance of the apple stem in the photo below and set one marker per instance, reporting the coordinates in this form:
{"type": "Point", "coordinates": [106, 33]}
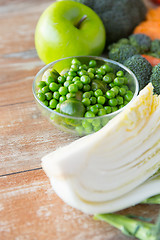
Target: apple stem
{"type": "Point", "coordinates": [80, 21]}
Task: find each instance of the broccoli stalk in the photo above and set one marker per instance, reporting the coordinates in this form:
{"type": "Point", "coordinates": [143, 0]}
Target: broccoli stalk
{"type": "Point", "coordinates": [132, 227]}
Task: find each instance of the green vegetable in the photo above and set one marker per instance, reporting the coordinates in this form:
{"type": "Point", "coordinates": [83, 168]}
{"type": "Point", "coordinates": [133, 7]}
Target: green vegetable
{"type": "Point", "coordinates": [155, 48]}
{"type": "Point", "coordinates": [72, 107]}
{"type": "Point", "coordinates": [153, 200]}
{"type": "Point", "coordinates": [132, 227]}
{"type": "Point", "coordinates": [141, 42]}
{"type": "Point", "coordinates": [141, 68]}
{"type": "Point", "coordinates": [120, 17]}
{"type": "Point", "coordinates": [155, 79]}
{"type": "Point", "coordinates": [122, 53]}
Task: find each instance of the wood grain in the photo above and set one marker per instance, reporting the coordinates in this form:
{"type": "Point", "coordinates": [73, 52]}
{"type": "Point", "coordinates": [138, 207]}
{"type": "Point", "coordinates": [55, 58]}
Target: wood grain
{"type": "Point", "coordinates": [30, 210]}
{"type": "Point", "coordinates": [25, 137]}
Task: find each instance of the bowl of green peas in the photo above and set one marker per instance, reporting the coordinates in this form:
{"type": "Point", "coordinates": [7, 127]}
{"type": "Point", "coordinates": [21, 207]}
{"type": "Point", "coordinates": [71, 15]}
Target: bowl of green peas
{"type": "Point", "coordinates": [81, 94]}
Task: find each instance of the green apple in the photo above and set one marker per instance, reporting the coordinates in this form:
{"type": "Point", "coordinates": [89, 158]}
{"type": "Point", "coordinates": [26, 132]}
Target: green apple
{"type": "Point", "coordinates": [68, 28]}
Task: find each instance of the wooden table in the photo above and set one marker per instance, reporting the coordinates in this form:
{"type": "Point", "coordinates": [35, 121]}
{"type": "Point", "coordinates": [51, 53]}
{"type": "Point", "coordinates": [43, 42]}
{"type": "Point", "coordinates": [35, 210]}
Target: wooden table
{"type": "Point", "coordinates": [29, 208]}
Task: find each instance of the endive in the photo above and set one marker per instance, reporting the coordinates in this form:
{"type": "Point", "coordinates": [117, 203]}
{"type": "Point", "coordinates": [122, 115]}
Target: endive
{"type": "Point", "coordinates": [107, 171]}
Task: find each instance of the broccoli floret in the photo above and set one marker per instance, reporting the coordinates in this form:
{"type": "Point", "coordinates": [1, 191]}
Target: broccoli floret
{"type": "Point", "coordinates": [120, 54]}
{"type": "Point", "coordinates": [155, 79]}
{"type": "Point", "coordinates": [141, 68]}
{"type": "Point", "coordinates": [155, 48]}
{"type": "Point", "coordinates": [141, 42]}
{"type": "Point", "coordinates": [120, 17]}
{"type": "Point", "coordinates": [122, 41]}
{"type": "Point", "coordinates": [155, 45]}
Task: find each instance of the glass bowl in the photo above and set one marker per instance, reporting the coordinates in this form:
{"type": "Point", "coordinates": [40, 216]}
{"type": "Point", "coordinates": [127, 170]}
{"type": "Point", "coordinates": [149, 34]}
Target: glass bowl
{"type": "Point", "coordinates": [81, 125]}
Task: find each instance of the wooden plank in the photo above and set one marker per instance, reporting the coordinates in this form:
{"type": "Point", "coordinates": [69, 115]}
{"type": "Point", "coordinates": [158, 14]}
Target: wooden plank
{"type": "Point", "coordinates": [26, 136]}
{"type": "Point", "coordinates": [30, 210]}
{"type": "Point", "coordinates": [18, 20]}
{"type": "Point", "coordinates": [16, 80]}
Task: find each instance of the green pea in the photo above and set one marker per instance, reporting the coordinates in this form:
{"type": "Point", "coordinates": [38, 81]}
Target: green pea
{"type": "Point", "coordinates": [63, 91]}
{"type": "Point", "coordinates": [96, 128]}
{"type": "Point", "coordinates": [118, 81]}
{"type": "Point", "coordinates": [85, 79]}
{"type": "Point", "coordinates": [125, 87]}
{"type": "Point", "coordinates": [41, 84]}
{"type": "Point", "coordinates": [72, 73]}
{"type": "Point", "coordinates": [86, 95]}
{"type": "Point", "coordinates": [121, 106]}
{"type": "Point", "coordinates": [111, 85]}
{"type": "Point", "coordinates": [41, 96]}
{"type": "Point", "coordinates": [107, 79]}
{"type": "Point", "coordinates": [101, 71]}
{"type": "Point", "coordinates": [122, 91]}
{"type": "Point", "coordinates": [53, 86]}
{"type": "Point", "coordinates": [91, 70]}
{"type": "Point", "coordinates": [80, 130]}
{"type": "Point", "coordinates": [45, 89]}
{"type": "Point", "coordinates": [98, 93]}
{"type": "Point", "coordinates": [91, 75]}
{"type": "Point", "coordinates": [70, 95]}
{"type": "Point", "coordinates": [99, 106]}
{"type": "Point", "coordinates": [45, 103]}
{"type": "Point", "coordinates": [114, 109]}
{"type": "Point", "coordinates": [82, 72]}
{"type": "Point", "coordinates": [101, 112]}
{"type": "Point", "coordinates": [99, 76]}
{"type": "Point", "coordinates": [74, 67]}
{"type": "Point", "coordinates": [62, 99]}
{"type": "Point", "coordinates": [49, 80]}
{"type": "Point", "coordinates": [92, 63]}
{"type": "Point", "coordinates": [107, 68]}
{"type": "Point", "coordinates": [101, 99]}
{"type": "Point", "coordinates": [61, 79]}
{"type": "Point", "coordinates": [128, 96]}
{"type": "Point", "coordinates": [94, 109]}
{"type": "Point", "coordinates": [112, 102]}
{"type": "Point", "coordinates": [79, 84]}
{"type": "Point", "coordinates": [115, 90]}
{"type": "Point", "coordinates": [69, 78]}
{"type": "Point", "coordinates": [75, 79]}
{"type": "Point", "coordinates": [92, 93]}
{"type": "Point", "coordinates": [119, 100]}
{"type": "Point", "coordinates": [58, 106]}
{"type": "Point", "coordinates": [86, 102]}
{"type": "Point", "coordinates": [120, 74]}
{"type": "Point", "coordinates": [108, 109]}
{"type": "Point", "coordinates": [67, 83]}
{"type": "Point", "coordinates": [96, 122]}
{"type": "Point", "coordinates": [93, 100]}
{"type": "Point", "coordinates": [53, 103]}
{"type": "Point", "coordinates": [110, 94]}
{"type": "Point", "coordinates": [89, 114]}
{"type": "Point", "coordinates": [76, 61]}
{"type": "Point", "coordinates": [73, 88]}
{"type": "Point", "coordinates": [86, 87]}
{"type": "Point", "coordinates": [48, 96]}
{"type": "Point", "coordinates": [56, 95]}
{"type": "Point", "coordinates": [125, 102]}
{"type": "Point", "coordinates": [83, 67]}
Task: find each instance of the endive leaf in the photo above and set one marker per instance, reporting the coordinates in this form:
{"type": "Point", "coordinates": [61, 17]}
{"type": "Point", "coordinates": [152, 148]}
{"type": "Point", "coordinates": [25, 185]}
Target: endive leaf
{"type": "Point", "coordinates": [107, 171]}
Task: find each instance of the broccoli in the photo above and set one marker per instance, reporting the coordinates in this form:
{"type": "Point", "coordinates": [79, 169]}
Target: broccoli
{"type": "Point", "coordinates": [122, 41]}
{"type": "Point", "coordinates": [155, 79]}
{"type": "Point", "coordinates": [120, 54]}
{"type": "Point", "coordinates": [120, 17]}
{"type": "Point", "coordinates": [155, 48]}
{"type": "Point", "coordinates": [141, 68]}
{"type": "Point", "coordinates": [141, 42]}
